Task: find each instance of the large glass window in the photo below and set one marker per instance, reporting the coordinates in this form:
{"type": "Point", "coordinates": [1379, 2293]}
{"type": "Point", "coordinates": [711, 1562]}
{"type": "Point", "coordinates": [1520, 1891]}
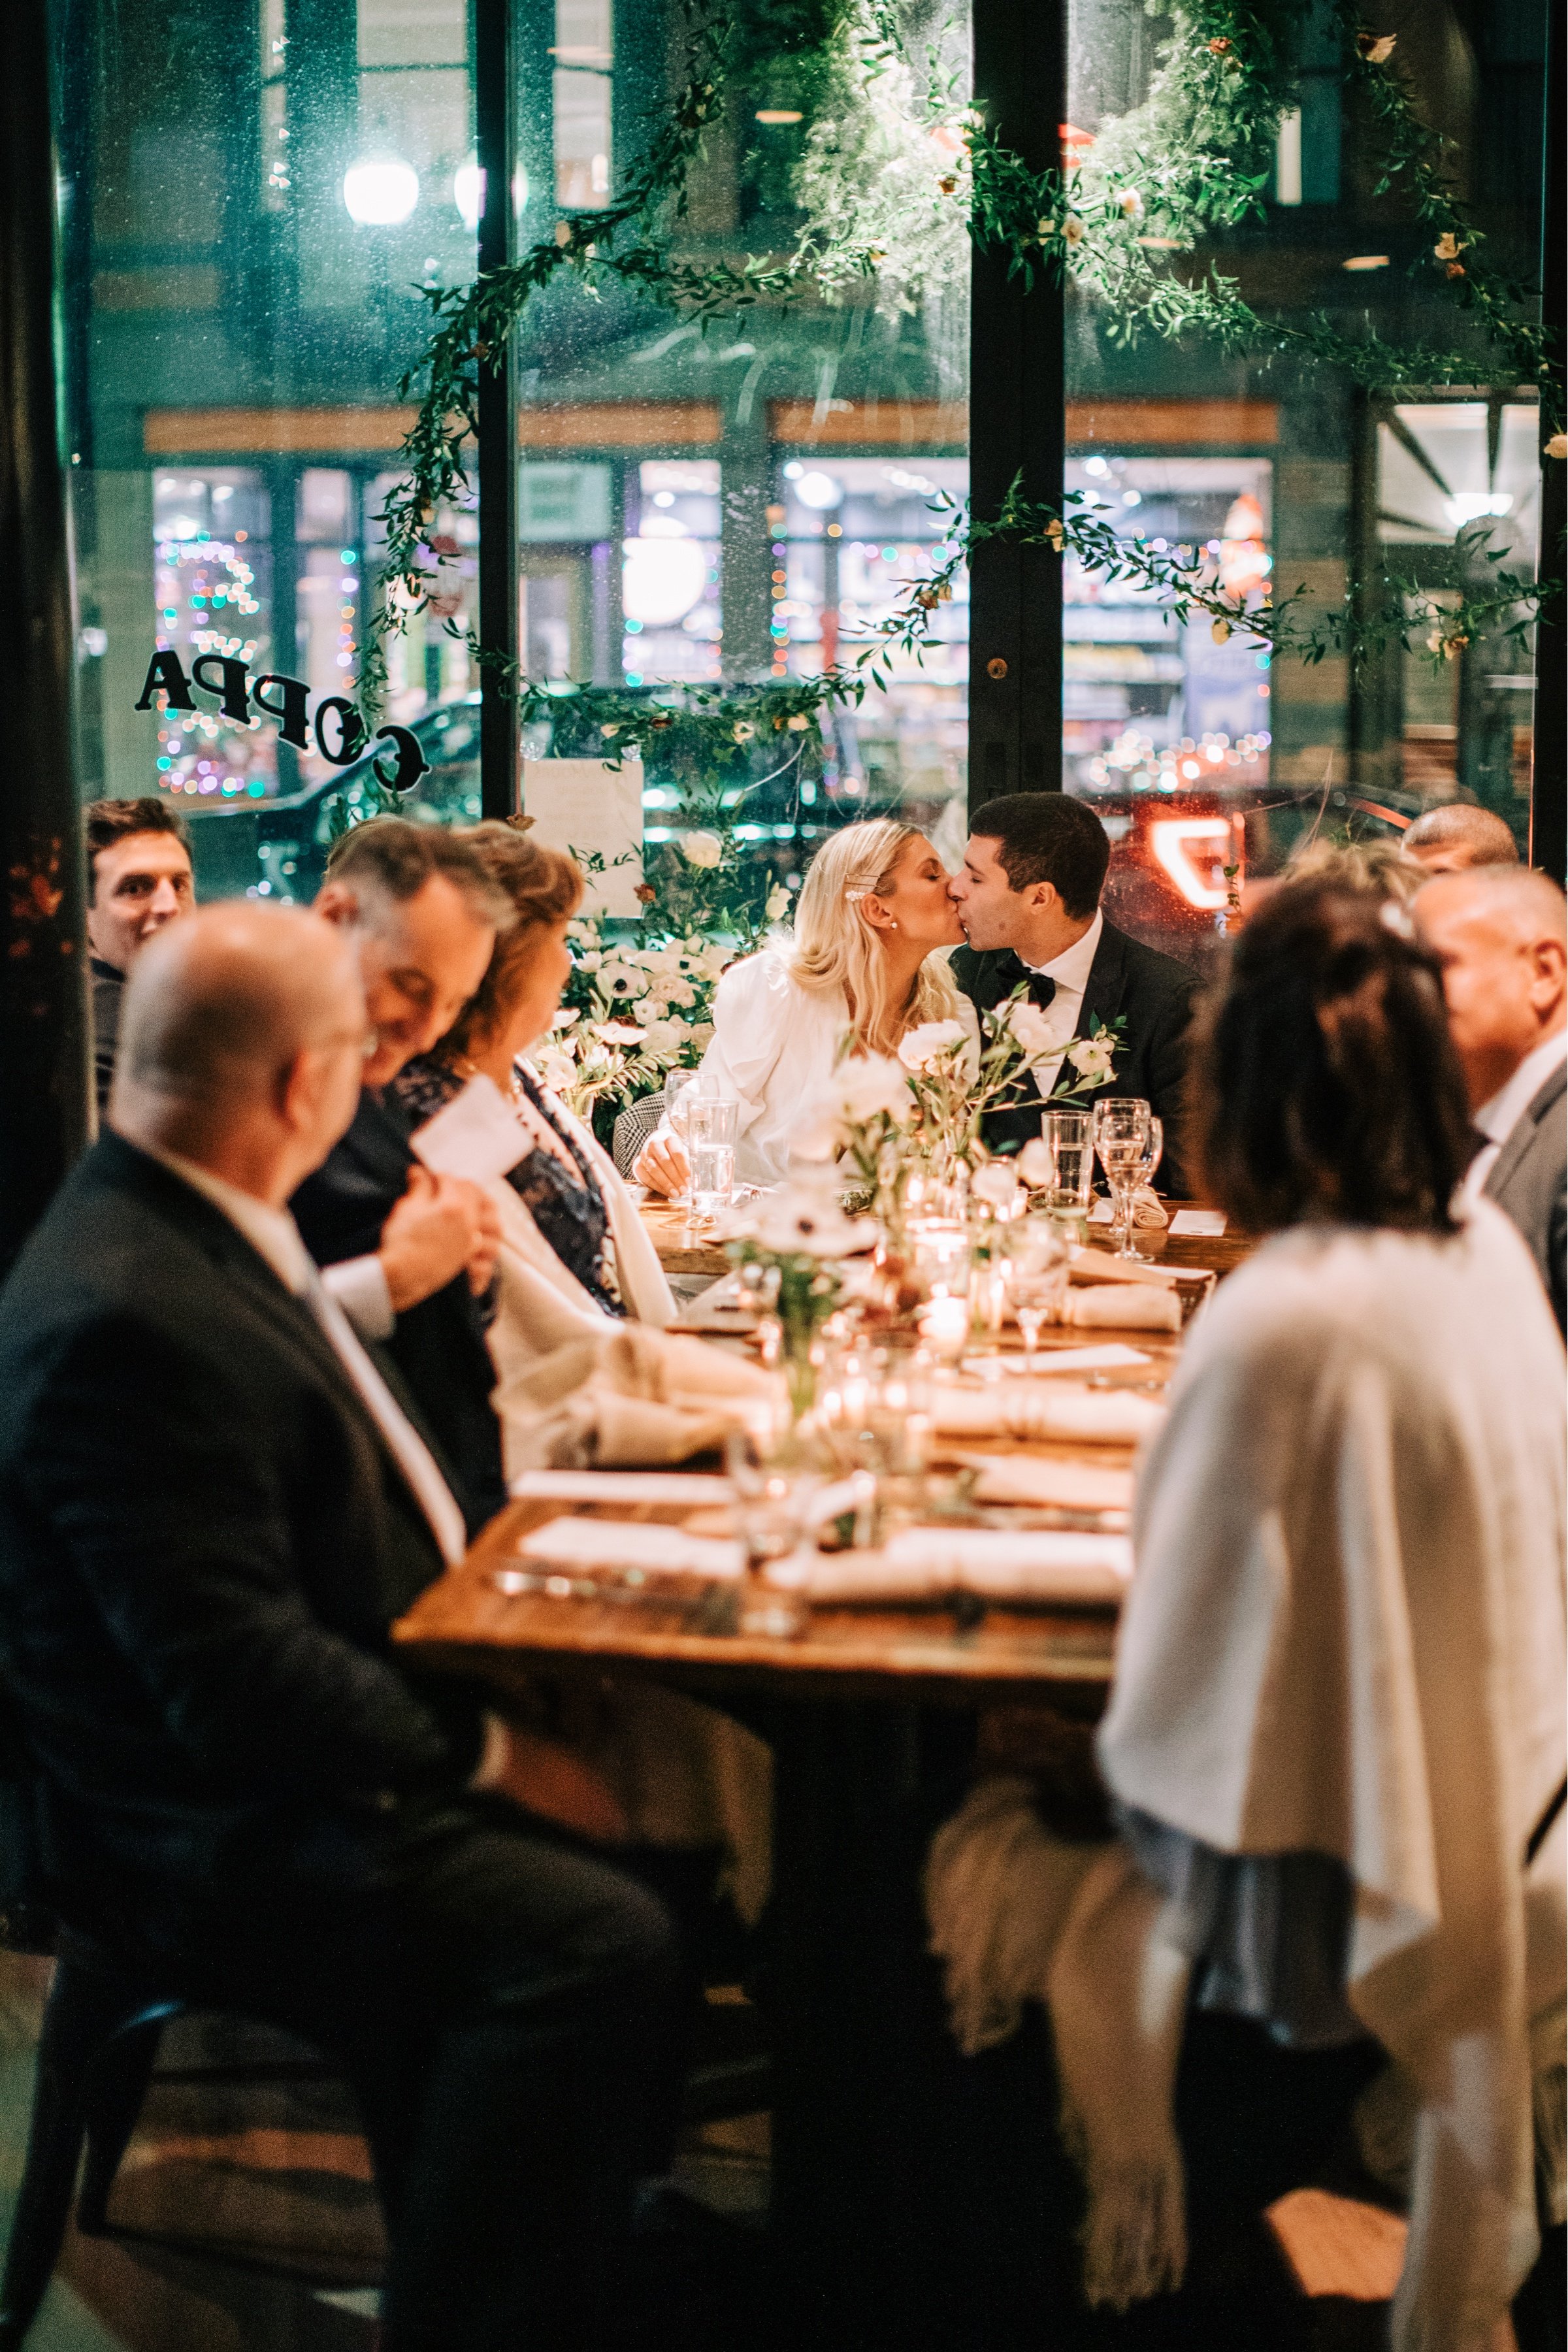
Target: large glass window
{"type": "Point", "coordinates": [710, 503]}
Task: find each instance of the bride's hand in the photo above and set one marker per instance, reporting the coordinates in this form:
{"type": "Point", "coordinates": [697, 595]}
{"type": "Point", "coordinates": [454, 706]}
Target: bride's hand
{"type": "Point", "coordinates": [661, 1165]}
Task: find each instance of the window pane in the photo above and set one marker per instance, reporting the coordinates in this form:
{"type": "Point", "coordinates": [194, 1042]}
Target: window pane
{"type": "Point", "coordinates": [1273, 466]}
{"type": "Point", "coordinates": [252, 223]}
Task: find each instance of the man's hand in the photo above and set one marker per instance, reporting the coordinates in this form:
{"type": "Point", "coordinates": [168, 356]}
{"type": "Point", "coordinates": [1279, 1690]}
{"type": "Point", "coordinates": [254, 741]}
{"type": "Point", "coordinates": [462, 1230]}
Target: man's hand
{"type": "Point", "coordinates": [545, 1778]}
{"type": "Point", "coordinates": [434, 1232]}
{"type": "Point", "coordinates": [661, 1164]}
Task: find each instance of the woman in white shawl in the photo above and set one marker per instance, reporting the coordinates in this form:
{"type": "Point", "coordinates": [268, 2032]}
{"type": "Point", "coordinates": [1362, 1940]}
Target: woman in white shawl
{"type": "Point", "coordinates": [1335, 1746]}
{"type": "Point", "coordinates": [868, 962]}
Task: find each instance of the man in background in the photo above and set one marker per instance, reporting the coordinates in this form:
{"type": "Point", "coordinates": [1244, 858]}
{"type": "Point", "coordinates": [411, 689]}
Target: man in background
{"type": "Point", "coordinates": [1453, 839]}
{"type": "Point", "coordinates": [212, 1508]}
{"type": "Point", "coordinates": [1027, 895]}
{"type": "Point", "coordinates": [139, 878]}
{"type": "Point", "coordinates": [1502, 936]}
{"type": "Point", "coordinates": [406, 1254]}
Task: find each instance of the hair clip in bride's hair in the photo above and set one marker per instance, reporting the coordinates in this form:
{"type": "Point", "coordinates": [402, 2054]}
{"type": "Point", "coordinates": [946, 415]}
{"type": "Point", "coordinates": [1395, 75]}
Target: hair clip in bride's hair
{"type": "Point", "coordinates": [854, 896]}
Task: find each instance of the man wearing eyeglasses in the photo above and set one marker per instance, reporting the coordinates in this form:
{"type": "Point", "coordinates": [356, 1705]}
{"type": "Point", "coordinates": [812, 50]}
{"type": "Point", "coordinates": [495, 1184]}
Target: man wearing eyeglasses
{"type": "Point", "coordinates": [406, 1254]}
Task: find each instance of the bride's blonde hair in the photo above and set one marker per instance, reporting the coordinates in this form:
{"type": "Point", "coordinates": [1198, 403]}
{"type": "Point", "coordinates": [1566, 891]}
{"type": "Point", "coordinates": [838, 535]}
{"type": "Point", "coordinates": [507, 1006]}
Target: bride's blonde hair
{"type": "Point", "coordinates": [835, 947]}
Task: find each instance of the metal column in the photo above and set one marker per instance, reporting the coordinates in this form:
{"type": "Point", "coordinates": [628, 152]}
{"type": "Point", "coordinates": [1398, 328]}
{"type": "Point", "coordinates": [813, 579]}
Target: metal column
{"type": "Point", "coordinates": [495, 113]}
{"type": "Point", "coordinates": [1018, 427]}
{"type": "Point", "coordinates": [44, 1040]}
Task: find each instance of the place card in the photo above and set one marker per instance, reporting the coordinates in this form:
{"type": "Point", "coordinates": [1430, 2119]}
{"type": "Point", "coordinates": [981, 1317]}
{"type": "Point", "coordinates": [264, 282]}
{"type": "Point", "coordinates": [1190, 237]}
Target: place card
{"type": "Point", "coordinates": [1209, 1223]}
{"type": "Point", "coordinates": [476, 1136]}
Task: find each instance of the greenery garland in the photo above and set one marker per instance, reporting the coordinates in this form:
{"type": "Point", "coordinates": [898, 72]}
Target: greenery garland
{"type": "Point", "coordinates": [1195, 157]}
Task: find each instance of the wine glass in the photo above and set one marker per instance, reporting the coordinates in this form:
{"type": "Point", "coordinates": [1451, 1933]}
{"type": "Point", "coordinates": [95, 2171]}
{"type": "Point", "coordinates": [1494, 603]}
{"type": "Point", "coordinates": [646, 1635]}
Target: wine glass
{"type": "Point", "coordinates": [1152, 1153]}
{"type": "Point", "coordinates": [1120, 1141]}
{"type": "Point", "coordinates": [1037, 1270]}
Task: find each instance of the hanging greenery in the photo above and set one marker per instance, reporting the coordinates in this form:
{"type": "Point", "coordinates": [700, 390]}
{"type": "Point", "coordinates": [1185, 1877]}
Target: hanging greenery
{"type": "Point", "coordinates": [899, 176]}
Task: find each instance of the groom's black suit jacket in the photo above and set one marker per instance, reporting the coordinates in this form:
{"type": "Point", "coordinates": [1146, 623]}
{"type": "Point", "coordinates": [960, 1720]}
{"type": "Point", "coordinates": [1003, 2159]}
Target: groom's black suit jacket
{"type": "Point", "coordinates": [1151, 993]}
{"type": "Point", "coordinates": [204, 1541]}
{"type": "Point", "coordinates": [438, 1346]}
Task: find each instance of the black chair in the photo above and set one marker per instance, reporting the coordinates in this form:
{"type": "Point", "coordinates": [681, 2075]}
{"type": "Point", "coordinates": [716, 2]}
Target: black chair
{"type": "Point", "coordinates": [96, 2052]}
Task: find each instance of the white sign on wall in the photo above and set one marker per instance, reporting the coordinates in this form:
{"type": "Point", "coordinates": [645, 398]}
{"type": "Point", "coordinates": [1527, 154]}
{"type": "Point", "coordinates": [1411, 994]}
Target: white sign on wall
{"type": "Point", "coordinates": [585, 806]}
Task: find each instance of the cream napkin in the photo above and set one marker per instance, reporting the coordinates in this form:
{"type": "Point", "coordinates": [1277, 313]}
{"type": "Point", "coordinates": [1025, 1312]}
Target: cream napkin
{"type": "Point", "coordinates": [1033, 1478]}
{"type": "Point", "coordinates": [626, 1396]}
{"type": "Point", "coordinates": [1149, 1212]}
{"type": "Point", "coordinates": [571, 1543]}
{"type": "Point", "coordinates": [1055, 1410]}
{"type": "Point", "coordinates": [925, 1563]}
{"type": "Point", "coordinates": [1114, 1307]}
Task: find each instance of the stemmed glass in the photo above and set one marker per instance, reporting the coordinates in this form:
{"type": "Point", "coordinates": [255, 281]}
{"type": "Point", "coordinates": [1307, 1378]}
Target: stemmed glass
{"type": "Point", "coordinates": [1152, 1153]}
{"type": "Point", "coordinates": [1037, 1272]}
{"type": "Point", "coordinates": [1122, 1142]}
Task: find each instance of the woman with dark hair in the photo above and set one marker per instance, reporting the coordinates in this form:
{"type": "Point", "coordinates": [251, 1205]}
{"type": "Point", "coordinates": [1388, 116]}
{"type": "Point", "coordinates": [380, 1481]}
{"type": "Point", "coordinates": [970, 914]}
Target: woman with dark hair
{"type": "Point", "coordinates": [1335, 1744]}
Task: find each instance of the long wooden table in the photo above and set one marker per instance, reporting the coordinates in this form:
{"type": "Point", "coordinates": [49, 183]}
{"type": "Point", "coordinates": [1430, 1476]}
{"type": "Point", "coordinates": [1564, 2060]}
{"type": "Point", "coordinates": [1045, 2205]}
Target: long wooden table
{"type": "Point", "coordinates": [850, 1706]}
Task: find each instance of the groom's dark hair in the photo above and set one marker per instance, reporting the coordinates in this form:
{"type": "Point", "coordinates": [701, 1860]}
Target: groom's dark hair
{"type": "Point", "coordinates": [1047, 837]}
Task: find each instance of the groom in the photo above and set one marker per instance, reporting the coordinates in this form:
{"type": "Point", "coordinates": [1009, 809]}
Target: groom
{"type": "Point", "coordinates": [1027, 896]}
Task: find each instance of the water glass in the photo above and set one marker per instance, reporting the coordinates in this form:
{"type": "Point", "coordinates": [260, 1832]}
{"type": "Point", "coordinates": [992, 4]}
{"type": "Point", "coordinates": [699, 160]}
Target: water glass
{"type": "Point", "coordinates": [1067, 1137]}
{"type": "Point", "coordinates": [775, 1478]}
{"type": "Point", "coordinates": [710, 1127]}
{"type": "Point", "coordinates": [1122, 1142]}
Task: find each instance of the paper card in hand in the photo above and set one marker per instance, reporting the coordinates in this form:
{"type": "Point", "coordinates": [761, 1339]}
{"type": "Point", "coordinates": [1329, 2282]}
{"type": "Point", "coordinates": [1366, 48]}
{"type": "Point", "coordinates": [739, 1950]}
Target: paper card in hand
{"type": "Point", "coordinates": [476, 1136]}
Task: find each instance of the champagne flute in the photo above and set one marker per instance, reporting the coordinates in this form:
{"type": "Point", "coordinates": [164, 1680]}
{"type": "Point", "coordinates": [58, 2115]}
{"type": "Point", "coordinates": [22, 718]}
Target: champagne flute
{"type": "Point", "coordinates": [1121, 1141]}
{"type": "Point", "coordinates": [680, 1091]}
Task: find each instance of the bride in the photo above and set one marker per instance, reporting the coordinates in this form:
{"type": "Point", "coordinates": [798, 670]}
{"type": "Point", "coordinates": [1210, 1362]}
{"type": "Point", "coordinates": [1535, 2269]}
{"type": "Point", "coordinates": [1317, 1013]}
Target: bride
{"type": "Point", "coordinates": [867, 963]}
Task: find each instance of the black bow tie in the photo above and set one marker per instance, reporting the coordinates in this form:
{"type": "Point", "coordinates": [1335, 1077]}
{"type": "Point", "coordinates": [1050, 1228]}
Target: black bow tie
{"type": "Point", "coordinates": [1042, 987]}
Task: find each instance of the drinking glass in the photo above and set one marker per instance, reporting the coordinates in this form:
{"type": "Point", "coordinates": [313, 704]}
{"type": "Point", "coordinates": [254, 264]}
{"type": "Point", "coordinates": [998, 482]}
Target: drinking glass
{"type": "Point", "coordinates": [775, 1477]}
{"type": "Point", "coordinates": [1038, 1265]}
{"type": "Point", "coordinates": [1066, 1134]}
{"type": "Point", "coordinates": [1121, 1139]}
{"type": "Point", "coordinates": [711, 1125]}
{"type": "Point", "coordinates": [681, 1089]}
{"type": "Point", "coordinates": [1153, 1149]}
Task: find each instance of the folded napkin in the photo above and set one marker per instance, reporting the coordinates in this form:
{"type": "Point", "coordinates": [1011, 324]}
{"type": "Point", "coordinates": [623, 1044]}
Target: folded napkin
{"type": "Point", "coordinates": [688, 1488]}
{"type": "Point", "coordinates": [1149, 1212]}
{"type": "Point", "coordinates": [583, 1544]}
{"type": "Point", "coordinates": [926, 1563]}
{"type": "Point", "coordinates": [1112, 1357]}
{"type": "Point", "coordinates": [1031, 1479]}
{"type": "Point", "coordinates": [1090, 1265]}
{"type": "Point", "coordinates": [627, 1396]}
{"type": "Point", "coordinates": [1045, 1410]}
{"type": "Point", "coordinates": [1118, 1306]}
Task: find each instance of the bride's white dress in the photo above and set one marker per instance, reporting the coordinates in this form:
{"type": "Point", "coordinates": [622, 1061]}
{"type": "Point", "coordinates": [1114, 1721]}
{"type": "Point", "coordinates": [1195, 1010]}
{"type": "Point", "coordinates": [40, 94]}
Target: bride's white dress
{"type": "Point", "coordinates": [774, 1049]}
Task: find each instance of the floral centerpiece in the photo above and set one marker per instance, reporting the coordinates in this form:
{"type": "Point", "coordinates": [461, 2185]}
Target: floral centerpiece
{"type": "Point", "coordinates": [956, 1089]}
{"type": "Point", "coordinates": [798, 1236]}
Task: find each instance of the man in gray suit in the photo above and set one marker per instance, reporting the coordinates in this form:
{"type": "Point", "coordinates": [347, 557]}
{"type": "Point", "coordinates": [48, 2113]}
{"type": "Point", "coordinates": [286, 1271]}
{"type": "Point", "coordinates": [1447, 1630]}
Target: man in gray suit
{"type": "Point", "coordinates": [1502, 936]}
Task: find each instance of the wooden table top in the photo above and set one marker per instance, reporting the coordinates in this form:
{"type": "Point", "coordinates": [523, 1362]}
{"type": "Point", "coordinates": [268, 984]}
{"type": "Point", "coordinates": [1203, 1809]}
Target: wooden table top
{"type": "Point", "coordinates": [684, 1248]}
{"type": "Point", "coordinates": [466, 1623]}
{"type": "Point", "coordinates": [941, 1654]}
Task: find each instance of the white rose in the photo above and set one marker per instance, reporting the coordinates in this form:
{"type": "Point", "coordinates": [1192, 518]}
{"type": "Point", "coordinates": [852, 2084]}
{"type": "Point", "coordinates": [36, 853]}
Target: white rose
{"type": "Point", "coordinates": [664, 1036]}
{"type": "Point", "coordinates": [649, 1009]}
{"type": "Point", "coordinates": [1037, 1034]}
{"type": "Point", "coordinates": [997, 1182]}
{"type": "Point", "coordinates": [702, 849]}
{"type": "Point", "coordinates": [555, 1066]}
{"type": "Point", "coordinates": [777, 902]}
{"type": "Point", "coordinates": [870, 1083]}
{"type": "Point", "coordinates": [1036, 1164]}
{"type": "Point", "coordinates": [591, 962]}
{"type": "Point", "coordinates": [930, 1042]}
